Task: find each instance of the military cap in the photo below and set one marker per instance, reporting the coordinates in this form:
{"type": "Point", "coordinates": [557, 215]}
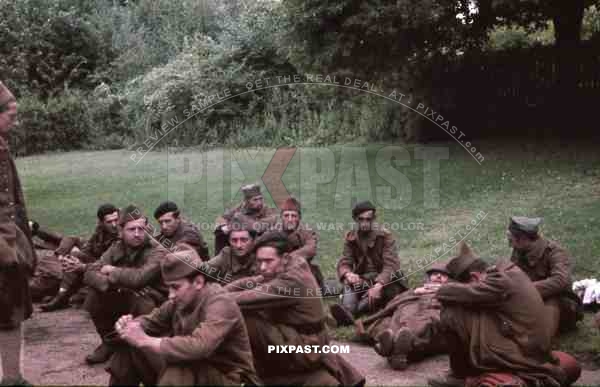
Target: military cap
{"type": "Point", "coordinates": [5, 95]}
{"type": "Point", "coordinates": [525, 224]}
{"type": "Point", "coordinates": [439, 266]}
{"type": "Point", "coordinates": [361, 207]}
{"type": "Point", "coordinates": [129, 213]}
{"type": "Point", "coordinates": [165, 207]}
{"type": "Point", "coordinates": [291, 204]}
{"type": "Point", "coordinates": [250, 191]}
{"type": "Point", "coordinates": [181, 264]}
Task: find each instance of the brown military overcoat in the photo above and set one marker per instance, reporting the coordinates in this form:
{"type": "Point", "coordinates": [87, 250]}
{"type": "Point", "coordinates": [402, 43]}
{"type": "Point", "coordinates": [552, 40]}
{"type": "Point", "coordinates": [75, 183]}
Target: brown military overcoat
{"type": "Point", "coordinates": [501, 325]}
{"type": "Point", "coordinates": [287, 310]}
{"type": "Point", "coordinates": [137, 269]}
{"type": "Point", "coordinates": [377, 252]}
{"type": "Point", "coordinates": [17, 255]}
{"type": "Point", "coordinates": [550, 266]}
{"type": "Point", "coordinates": [96, 245]}
{"type": "Point", "coordinates": [226, 267]}
{"type": "Point", "coordinates": [203, 343]}
{"type": "Point", "coordinates": [261, 221]}
{"type": "Point", "coordinates": [186, 233]}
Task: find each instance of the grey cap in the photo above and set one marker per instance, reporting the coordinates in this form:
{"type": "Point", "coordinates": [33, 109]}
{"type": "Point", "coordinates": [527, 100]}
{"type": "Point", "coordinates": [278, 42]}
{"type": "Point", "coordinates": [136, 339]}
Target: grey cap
{"type": "Point", "coordinates": [525, 224]}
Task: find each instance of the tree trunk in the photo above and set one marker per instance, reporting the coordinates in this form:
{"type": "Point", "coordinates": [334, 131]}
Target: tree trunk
{"type": "Point", "coordinates": [567, 17]}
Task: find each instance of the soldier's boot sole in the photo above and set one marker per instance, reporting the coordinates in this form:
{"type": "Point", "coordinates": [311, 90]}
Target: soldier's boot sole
{"type": "Point", "coordinates": [403, 344]}
{"type": "Point", "coordinates": [100, 354]}
{"type": "Point", "coordinates": [385, 343]}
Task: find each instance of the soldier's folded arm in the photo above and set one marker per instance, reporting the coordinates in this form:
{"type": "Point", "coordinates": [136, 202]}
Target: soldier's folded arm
{"type": "Point", "coordinates": [560, 276]}
{"type": "Point", "coordinates": [86, 254]}
{"type": "Point", "coordinates": [277, 293]}
{"type": "Point", "coordinates": [158, 322]}
{"type": "Point", "coordinates": [93, 277]}
{"type": "Point", "coordinates": [206, 338]}
{"type": "Point", "coordinates": [487, 293]}
{"type": "Point", "coordinates": [138, 277]}
{"type": "Point", "coordinates": [391, 262]}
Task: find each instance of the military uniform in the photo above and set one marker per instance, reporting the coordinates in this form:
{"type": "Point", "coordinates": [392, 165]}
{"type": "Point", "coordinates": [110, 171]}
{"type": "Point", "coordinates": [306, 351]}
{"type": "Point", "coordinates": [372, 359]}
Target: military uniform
{"type": "Point", "coordinates": [203, 342]}
{"type": "Point", "coordinates": [17, 255]}
{"type": "Point", "coordinates": [375, 259]}
{"type": "Point", "coordinates": [410, 323]}
{"type": "Point", "coordinates": [287, 311]}
{"type": "Point", "coordinates": [135, 287]}
{"type": "Point", "coordinates": [549, 266]}
{"type": "Point", "coordinates": [186, 233]}
{"type": "Point", "coordinates": [498, 325]}
{"type": "Point", "coordinates": [303, 243]}
{"type": "Point", "coordinates": [227, 267]}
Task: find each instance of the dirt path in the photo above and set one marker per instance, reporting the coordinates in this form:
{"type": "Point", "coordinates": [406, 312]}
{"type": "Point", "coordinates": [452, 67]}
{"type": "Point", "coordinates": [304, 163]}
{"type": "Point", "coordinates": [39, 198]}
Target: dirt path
{"type": "Point", "coordinates": [56, 344]}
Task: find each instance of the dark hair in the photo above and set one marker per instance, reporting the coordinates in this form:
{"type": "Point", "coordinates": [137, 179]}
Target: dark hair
{"type": "Point", "coordinates": [478, 266]}
{"type": "Point", "coordinates": [165, 207]}
{"type": "Point", "coordinates": [105, 209]}
{"type": "Point", "coordinates": [275, 239]}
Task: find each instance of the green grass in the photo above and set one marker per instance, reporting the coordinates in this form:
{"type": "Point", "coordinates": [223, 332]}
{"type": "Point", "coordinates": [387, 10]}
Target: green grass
{"type": "Point", "coordinates": [557, 182]}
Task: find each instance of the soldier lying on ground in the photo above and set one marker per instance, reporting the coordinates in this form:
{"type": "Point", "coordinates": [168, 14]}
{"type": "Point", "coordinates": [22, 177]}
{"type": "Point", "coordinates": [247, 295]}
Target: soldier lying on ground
{"type": "Point", "coordinates": [126, 280]}
{"type": "Point", "coordinates": [73, 249]}
{"type": "Point", "coordinates": [497, 329]}
{"type": "Point", "coordinates": [196, 338]}
{"type": "Point", "coordinates": [283, 309]}
{"type": "Point", "coordinates": [407, 329]}
{"type": "Point", "coordinates": [17, 256]}
{"type": "Point", "coordinates": [550, 267]}
{"type": "Point", "coordinates": [174, 229]}
{"type": "Point", "coordinates": [251, 211]}
{"type": "Point", "coordinates": [369, 267]}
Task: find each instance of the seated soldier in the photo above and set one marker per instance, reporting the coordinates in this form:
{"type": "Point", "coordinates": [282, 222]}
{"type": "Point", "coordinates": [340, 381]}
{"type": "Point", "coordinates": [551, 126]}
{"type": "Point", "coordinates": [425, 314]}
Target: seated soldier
{"type": "Point", "coordinates": [196, 338]}
{"type": "Point", "coordinates": [126, 280]}
{"type": "Point", "coordinates": [284, 308]}
{"type": "Point", "coordinates": [236, 260]}
{"type": "Point", "coordinates": [549, 266]}
{"type": "Point", "coordinates": [174, 229]}
{"type": "Point", "coordinates": [494, 323]}
{"type": "Point", "coordinates": [369, 267]}
{"type": "Point", "coordinates": [104, 235]}
{"type": "Point", "coordinates": [251, 211]}
{"type": "Point", "coordinates": [407, 329]}
{"type": "Point", "coordinates": [303, 240]}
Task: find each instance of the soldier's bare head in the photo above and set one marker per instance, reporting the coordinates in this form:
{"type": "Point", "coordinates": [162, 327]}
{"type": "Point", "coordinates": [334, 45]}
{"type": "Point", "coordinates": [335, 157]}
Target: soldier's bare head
{"type": "Point", "coordinates": [133, 225]}
{"type": "Point", "coordinates": [167, 215]}
{"type": "Point", "coordinates": [108, 217]}
{"type": "Point", "coordinates": [272, 254]}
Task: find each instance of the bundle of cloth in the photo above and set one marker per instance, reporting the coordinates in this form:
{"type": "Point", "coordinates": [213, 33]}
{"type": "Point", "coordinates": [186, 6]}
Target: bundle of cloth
{"type": "Point", "coordinates": [588, 290]}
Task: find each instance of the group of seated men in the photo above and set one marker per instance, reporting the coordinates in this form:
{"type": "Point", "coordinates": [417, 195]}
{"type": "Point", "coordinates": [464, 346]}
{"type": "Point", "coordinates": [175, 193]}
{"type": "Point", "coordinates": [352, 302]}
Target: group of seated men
{"type": "Point", "coordinates": [167, 313]}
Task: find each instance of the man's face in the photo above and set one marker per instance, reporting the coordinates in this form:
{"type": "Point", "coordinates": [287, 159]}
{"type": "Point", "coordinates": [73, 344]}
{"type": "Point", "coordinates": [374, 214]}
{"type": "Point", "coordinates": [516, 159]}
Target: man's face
{"type": "Point", "coordinates": [515, 241]}
{"type": "Point", "coordinates": [133, 232]}
{"type": "Point", "coordinates": [184, 290]}
{"type": "Point", "coordinates": [438, 277]}
{"type": "Point", "coordinates": [364, 220]}
{"type": "Point", "coordinates": [8, 117]}
{"type": "Point", "coordinates": [269, 262]}
{"type": "Point", "coordinates": [241, 243]}
{"type": "Point", "coordinates": [255, 203]}
{"type": "Point", "coordinates": [476, 276]}
{"type": "Point", "coordinates": [290, 220]}
{"type": "Point", "coordinates": [168, 224]}
{"type": "Point", "coordinates": [110, 222]}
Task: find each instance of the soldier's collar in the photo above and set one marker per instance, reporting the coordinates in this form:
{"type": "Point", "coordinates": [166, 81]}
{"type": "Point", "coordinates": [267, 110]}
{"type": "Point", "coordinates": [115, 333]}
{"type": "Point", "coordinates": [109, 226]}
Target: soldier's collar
{"type": "Point", "coordinates": [535, 252]}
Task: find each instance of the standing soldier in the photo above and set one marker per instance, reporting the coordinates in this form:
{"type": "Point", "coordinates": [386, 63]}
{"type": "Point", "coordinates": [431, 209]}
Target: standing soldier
{"type": "Point", "coordinates": [174, 230]}
{"type": "Point", "coordinates": [197, 338]}
{"type": "Point", "coordinates": [104, 235]}
{"type": "Point", "coordinates": [17, 256]}
{"type": "Point", "coordinates": [284, 308]}
{"type": "Point", "coordinates": [251, 211]}
{"type": "Point", "coordinates": [549, 266]}
{"type": "Point", "coordinates": [126, 280]}
{"type": "Point", "coordinates": [494, 322]}
{"type": "Point", "coordinates": [236, 260]}
{"type": "Point", "coordinates": [408, 328]}
{"type": "Point", "coordinates": [303, 241]}
{"type": "Point", "coordinates": [369, 267]}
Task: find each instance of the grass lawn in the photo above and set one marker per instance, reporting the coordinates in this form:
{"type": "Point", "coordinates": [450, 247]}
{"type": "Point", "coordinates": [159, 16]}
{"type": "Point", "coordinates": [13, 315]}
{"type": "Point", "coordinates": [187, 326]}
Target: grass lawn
{"type": "Point", "coordinates": [430, 204]}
